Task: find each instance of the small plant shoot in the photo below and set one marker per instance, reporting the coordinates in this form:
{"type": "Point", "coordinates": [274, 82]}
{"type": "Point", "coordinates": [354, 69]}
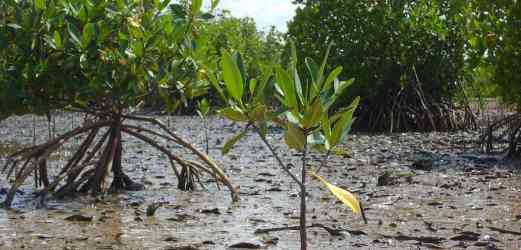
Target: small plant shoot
{"type": "Point", "coordinates": [304, 112]}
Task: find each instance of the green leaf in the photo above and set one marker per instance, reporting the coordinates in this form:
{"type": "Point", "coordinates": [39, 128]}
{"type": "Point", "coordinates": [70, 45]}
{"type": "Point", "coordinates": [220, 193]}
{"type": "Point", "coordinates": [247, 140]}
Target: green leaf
{"type": "Point", "coordinates": [326, 126]}
{"type": "Point", "coordinates": [295, 137]}
{"type": "Point", "coordinates": [74, 35]}
{"type": "Point", "coordinates": [252, 86]}
{"type": "Point", "coordinates": [232, 77]}
{"type": "Point", "coordinates": [196, 6]}
{"type": "Point", "coordinates": [322, 69]}
{"type": "Point", "coordinates": [237, 58]}
{"type": "Point", "coordinates": [232, 141]}
{"type": "Point", "coordinates": [312, 69]}
{"type": "Point", "coordinates": [40, 4]}
{"type": "Point", "coordinates": [342, 85]}
{"type": "Point", "coordinates": [286, 85]}
{"type": "Point", "coordinates": [298, 88]}
{"type": "Point", "coordinates": [344, 123]}
{"type": "Point", "coordinates": [83, 15]}
{"type": "Point", "coordinates": [233, 114]}
{"type": "Point", "coordinates": [58, 40]}
{"type": "Point", "coordinates": [138, 48]}
{"type": "Point", "coordinates": [216, 84]}
{"type": "Point", "coordinates": [89, 33]}
{"type": "Point", "coordinates": [14, 26]}
{"type": "Point", "coordinates": [312, 115]}
{"type": "Point", "coordinates": [331, 78]}
{"type": "Point", "coordinates": [215, 3]}
{"type": "Point", "coordinates": [162, 4]}
{"type": "Point", "coordinates": [204, 107]}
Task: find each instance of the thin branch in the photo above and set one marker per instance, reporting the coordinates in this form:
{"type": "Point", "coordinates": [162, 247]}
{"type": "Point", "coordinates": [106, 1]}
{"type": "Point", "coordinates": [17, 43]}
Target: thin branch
{"type": "Point", "coordinates": [282, 165]}
{"type": "Point", "coordinates": [323, 163]}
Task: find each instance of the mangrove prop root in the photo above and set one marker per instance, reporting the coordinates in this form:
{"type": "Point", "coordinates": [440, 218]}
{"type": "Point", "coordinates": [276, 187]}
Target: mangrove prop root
{"type": "Point", "coordinates": [503, 136]}
{"type": "Point", "coordinates": [99, 154]}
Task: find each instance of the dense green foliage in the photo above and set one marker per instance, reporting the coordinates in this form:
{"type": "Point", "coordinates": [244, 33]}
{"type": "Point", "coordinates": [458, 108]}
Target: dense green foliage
{"type": "Point", "coordinates": [101, 58]}
{"type": "Point", "coordinates": [59, 53]}
{"type": "Point", "coordinates": [260, 50]}
{"type": "Point", "coordinates": [406, 56]}
{"type": "Point", "coordinates": [494, 49]}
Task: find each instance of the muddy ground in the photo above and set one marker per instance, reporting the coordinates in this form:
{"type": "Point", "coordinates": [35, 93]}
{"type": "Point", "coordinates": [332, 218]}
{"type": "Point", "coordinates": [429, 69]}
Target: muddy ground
{"type": "Point", "coordinates": [420, 191]}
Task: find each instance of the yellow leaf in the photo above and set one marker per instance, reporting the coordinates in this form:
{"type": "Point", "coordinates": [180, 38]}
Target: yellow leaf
{"type": "Point", "coordinates": [343, 195]}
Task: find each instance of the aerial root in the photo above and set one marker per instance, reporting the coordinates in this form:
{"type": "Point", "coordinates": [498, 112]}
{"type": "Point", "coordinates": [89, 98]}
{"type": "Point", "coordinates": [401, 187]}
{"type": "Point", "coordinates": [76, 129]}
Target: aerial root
{"type": "Point", "coordinates": [99, 154]}
{"type": "Point", "coordinates": [506, 132]}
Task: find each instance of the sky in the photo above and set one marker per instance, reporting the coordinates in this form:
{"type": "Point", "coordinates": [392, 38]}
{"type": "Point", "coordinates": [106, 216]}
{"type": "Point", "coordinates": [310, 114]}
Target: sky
{"type": "Point", "coordinates": [265, 12]}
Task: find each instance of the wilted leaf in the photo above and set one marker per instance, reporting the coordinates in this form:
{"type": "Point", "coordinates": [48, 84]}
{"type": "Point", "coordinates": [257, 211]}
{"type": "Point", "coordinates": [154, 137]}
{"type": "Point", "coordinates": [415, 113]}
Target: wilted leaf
{"type": "Point", "coordinates": [343, 195]}
{"type": "Point", "coordinates": [233, 114]}
{"type": "Point", "coordinates": [259, 113]}
{"type": "Point", "coordinates": [295, 138]}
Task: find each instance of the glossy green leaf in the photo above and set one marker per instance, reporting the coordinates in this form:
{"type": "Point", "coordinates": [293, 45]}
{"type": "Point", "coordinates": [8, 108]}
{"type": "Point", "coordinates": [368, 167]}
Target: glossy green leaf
{"type": "Point", "coordinates": [232, 77]}
{"type": "Point", "coordinates": [286, 86]}
{"type": "Point", "coordinates": [344, 122]}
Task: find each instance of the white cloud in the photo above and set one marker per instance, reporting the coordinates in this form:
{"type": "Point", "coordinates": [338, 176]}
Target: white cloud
{"type": "Point", "coordinates": [265, 12]}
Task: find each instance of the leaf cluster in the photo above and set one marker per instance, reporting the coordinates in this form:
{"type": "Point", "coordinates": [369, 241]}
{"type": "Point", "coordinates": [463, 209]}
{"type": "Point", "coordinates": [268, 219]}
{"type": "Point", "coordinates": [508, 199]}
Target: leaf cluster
{"type": "Point", "coordinates": [58, 53]}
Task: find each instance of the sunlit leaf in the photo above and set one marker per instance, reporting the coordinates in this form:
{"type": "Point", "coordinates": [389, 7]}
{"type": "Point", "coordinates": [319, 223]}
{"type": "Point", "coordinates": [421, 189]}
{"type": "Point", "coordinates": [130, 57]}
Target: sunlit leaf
{"type": "Point", "coordinates": [58, 40]}
{"type": "Point", "coordinates": [331, 78]}
{"type": "Point", "coordinates": [286, 86]}
{"type": "Point", "coordinates": [343, 123]}
{"type": "Point", "coordinates": [232, 77]}
{"type": "Point", "coordinates": [40, 4]}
